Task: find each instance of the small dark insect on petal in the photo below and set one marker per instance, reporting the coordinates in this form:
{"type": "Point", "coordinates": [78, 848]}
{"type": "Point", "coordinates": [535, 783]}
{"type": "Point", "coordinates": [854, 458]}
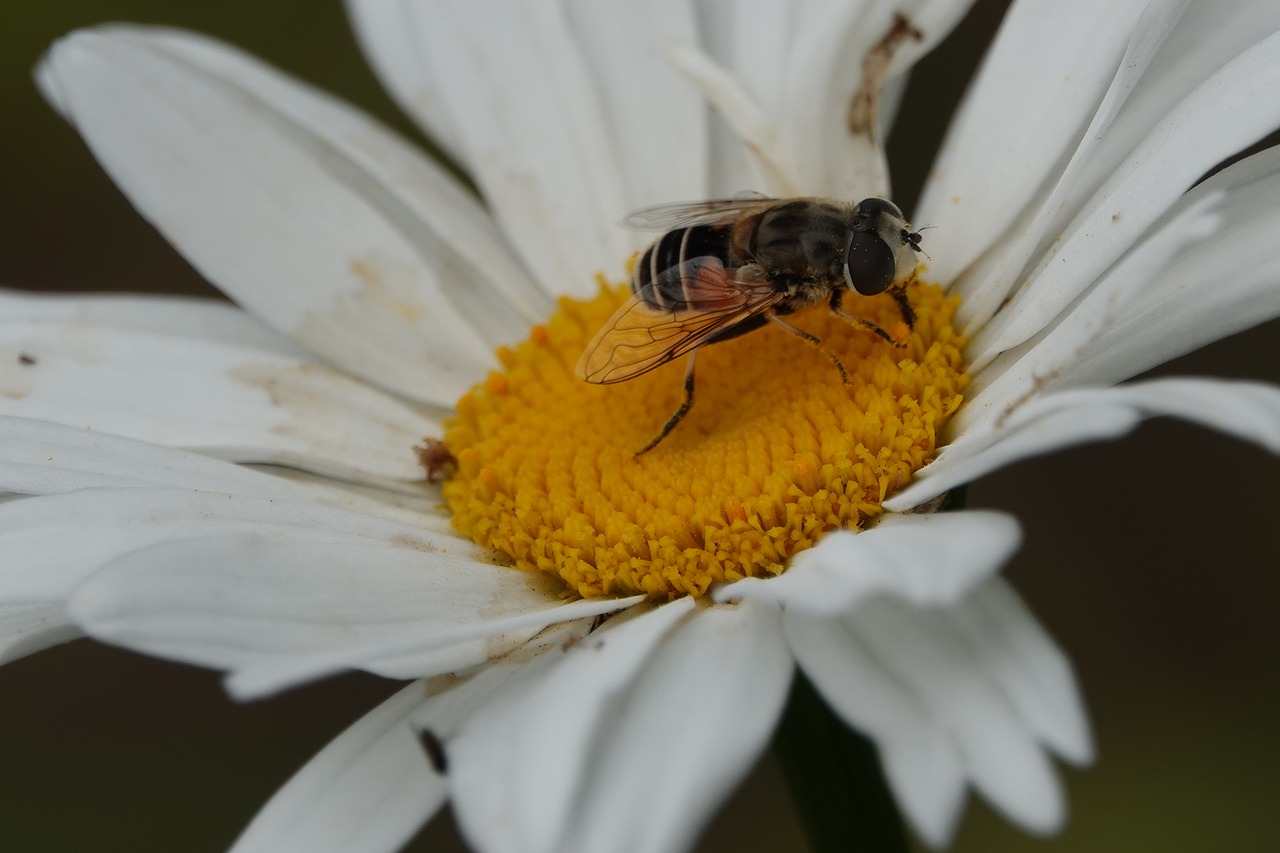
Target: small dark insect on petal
{"type": "Point", "coordinates": [436, 459]}
{"type": "Point", "coordinates": [434, 748]}
{"type": "Point", "coordinates": [26, 359]}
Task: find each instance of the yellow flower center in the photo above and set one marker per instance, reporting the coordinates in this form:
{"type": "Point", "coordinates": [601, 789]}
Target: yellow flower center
{"type": "Point", "coordinates": [775, 452]}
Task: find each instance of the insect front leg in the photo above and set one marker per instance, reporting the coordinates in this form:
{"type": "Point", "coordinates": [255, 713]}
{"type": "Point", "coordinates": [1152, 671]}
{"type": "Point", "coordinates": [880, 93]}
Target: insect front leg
{"type": "Point", "coordinates": [812, 340]}
{"type": "Point", "coordinates": [680, 412]}
{"type": "Point", "coordinates": [904, 306]}
{"type": "Point", "coordinates": [908, 315]}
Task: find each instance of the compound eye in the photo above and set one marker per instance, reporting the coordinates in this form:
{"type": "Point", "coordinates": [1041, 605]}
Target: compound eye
{"type": "Point", "coordinates": [878, 205]}
{"type": "Point", "coordinates": [868, 263]}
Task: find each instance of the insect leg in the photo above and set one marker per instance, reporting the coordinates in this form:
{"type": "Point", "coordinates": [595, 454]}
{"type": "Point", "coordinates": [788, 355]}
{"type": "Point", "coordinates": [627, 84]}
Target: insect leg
{"type": "Point", "coordinates": [838, 294]}
{"type": "Point", "coordinates": [680, 412]}
{"type": "Point", "coordinates": [812, 340]}
{"type": "Point", "coordinates": [904, 306]}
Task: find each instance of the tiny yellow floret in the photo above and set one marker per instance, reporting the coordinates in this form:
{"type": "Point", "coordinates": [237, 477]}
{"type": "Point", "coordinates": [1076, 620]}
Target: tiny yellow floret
{"type": "Point", "coordinates": [775, 452]}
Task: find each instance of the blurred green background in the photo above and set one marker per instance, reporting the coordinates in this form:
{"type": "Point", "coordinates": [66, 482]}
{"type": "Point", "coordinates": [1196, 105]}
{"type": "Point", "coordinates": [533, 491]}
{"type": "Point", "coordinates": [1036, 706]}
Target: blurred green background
{"type": "Point", "coordinates": [1152, 560]}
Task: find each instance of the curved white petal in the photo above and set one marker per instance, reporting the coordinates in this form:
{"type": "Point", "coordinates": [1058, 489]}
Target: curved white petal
{"type": "Point", "coordinates": [999, 747]}
{"type": "Point", "coordinates": [180, 316]}
{"type": "Point", "coordinates": [784, 79]}
{"type": "Point", "coordinates": [235, 402]}
{"type": "Point", "coordinates": [928, 560]}
{"type": "Point", "coordinates": [48, 544]}
{"type": "Point", "coordinates": [657, 120]}
{"type": "Point", "coordinates": [612, 699]}
{"type": "Point", "coordinates": [480, 273]}
{"type": "Point", "coordinates": [513, 94]}
{"type": "Point", "coordinates": [271, 209]}
{"type": "Point", "coordinates": [523, 759]}
{"type": "Point", "coordinates": [732, 666]}
{"type": "Point", "coordinates": [285, 605]}
{"type": "Point", "coordinates": [1039, 364]}
{"type": "Point", "coordinates": [1209, 290]}
{"type": "Point", "coordinates": [1060, 419]}
{"type": "Point", "coordinates": [1205, 38]}
{"type": "Point", "coordinates": [27, 628]}
{"type": "Point", "coordinates": [368, 791]}
{"type": "Point", "coordinates": [39, 457]}
{"type": "Point", "coordinates": [952, 695]}
{"type": "Point", "coordinates": [1207, 270]}
{"type": "Point", "coordinates": [987, 282]}
{"type": "Point", "coordinates": [1032, 672]}
{"type": "Point", "coordinates": [1049, 66]}
{"type": "Point", "coordinates": [421, 650]}
{"type": "Point", "coordinates": [921, 762]}
{"type": "Point", "coordinates": [1233, 108]}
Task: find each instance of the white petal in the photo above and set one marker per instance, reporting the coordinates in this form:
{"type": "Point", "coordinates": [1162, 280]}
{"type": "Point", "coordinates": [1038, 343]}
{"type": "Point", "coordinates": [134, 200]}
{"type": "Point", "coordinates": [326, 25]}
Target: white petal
{"type": "Point", "coordinates": [657, 119]}
{"type": "Point", "coordinates": [1053, 430]}
{"type": "Point", "coordinates": [388, 32]}
{"type": "Point", "coordinates": [1034, 674]}
{"type": "Point", "coordinates": [985, 284]}
{"type": "Point", "coordinates": [523, 758]}
{"type": "Point", "coordinates": [1208, 291]}
{"type": "Point", "coordinates": [998, 746]}
{"type": "Point", "coordinates": [296, 604]}
{"type": "Point", "coordinates": [928, 560]}
{"type": "Point", "coordinates": [39, 457]}
{"type": "Point", "coordinates": [368, 791]}
{"type": "Point", "coordinates": [49, 544]}
{"type": "Point", "coordinates": [1233, 108]}
{"type": "Point", "coordinates": [1205, 38]}
{"type": "Point", "coordinates": [514, 97]}
{"type": "Point", "coordinates": [731, 665]}
{"type": "Point", "coordinates": [610, 703]}
{"type": "Point", "coordinates": [783, 79]}
{"type": "Point", "coordinates": [1049, 66]}
{"type": "Point", "coordinates": [485, 280]}
{"type": "Point", "coordinates": [29, 628]}
{"type": "Point", "coordinates": [731, 166]}
{"type": "Point", "coordinates": [235, 402]}
{"type": "Point", "coordinates": [1040, 364]}
{"type": "Point", "coordinates": [921, 762]}
{"type": "Point", "coordinates": [456, 698]}
{"type": "Point", "coordinates": [752, 130]}
{"type": "Point", "coordinates": [1061, 419]}
{"type": "Point", "coordinates": [180, 316]}
{"type": "Point", "coordinates": [272, 211]}
{"type": "Point", "coordinates": [422, 650]}
{"type": "Point", "coordinates": [930, 688]}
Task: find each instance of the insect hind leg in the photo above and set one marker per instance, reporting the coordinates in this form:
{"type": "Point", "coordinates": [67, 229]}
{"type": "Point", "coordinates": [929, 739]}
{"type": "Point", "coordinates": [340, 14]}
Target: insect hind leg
{"type": "Point", "coordinates": [813, 341]}
{"type": "Point", "coordinates": [685, 406]}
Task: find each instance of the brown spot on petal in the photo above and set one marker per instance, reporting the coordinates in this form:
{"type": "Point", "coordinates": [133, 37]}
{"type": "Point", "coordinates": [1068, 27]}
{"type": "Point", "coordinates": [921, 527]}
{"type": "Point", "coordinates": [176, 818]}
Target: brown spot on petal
{"type": "Point", "coordinates": [865, 106]}
{"type": "Point", "coordinates": [376, 284]}
{"type": "Point", "coordinates": [436, 459]}
{"type": "Point", "coordinates": [407, 541]}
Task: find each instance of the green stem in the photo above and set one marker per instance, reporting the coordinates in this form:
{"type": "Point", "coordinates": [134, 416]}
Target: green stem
{"type": "Point", "coordinates": [835, 777]}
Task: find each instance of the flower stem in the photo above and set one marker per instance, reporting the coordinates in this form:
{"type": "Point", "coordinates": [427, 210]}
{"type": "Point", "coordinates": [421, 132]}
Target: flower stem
{"type": "Point", "coordinates": [835, 778]}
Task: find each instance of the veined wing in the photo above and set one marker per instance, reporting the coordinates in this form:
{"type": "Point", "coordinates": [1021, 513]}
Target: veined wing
{"type": "Point", "coordinates": [668, 217]}
{"type": "Point", "coordinates": [640, 336]}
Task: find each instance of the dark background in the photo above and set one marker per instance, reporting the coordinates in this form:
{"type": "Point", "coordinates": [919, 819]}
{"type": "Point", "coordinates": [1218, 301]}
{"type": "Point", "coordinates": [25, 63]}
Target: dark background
{"type": "Point", "coordinates": [1150, 559]}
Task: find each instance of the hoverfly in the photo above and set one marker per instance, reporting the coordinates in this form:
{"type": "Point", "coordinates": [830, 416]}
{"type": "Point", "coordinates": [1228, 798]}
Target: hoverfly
{"type": "Point", "coordinates": [726, 267]}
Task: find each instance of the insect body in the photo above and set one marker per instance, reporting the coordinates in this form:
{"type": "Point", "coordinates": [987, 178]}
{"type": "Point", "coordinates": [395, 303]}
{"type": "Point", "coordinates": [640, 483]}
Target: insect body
{"type": "Point", "coordinates": [725, 268]}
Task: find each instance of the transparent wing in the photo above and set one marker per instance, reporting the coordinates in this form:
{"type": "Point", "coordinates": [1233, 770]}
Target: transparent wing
{"type": "Point", "coordinates": [640, 337]}
{"type": "Point", "coordinates": [667, 217]}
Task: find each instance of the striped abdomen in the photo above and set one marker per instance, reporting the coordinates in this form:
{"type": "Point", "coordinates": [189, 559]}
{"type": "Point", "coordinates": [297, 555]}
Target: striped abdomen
{"type": "Point", "coordinates": [664, 270]}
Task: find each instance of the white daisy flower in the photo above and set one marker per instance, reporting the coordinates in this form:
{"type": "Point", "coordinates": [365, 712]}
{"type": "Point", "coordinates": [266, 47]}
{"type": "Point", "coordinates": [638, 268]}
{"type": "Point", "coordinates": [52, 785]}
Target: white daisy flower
{"type": "Point", "coordinates": [1066, 254]}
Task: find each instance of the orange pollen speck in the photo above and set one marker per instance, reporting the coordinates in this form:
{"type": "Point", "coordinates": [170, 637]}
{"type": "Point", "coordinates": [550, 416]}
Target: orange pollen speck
{"type": "Point", "coordinates": [775, 452]}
